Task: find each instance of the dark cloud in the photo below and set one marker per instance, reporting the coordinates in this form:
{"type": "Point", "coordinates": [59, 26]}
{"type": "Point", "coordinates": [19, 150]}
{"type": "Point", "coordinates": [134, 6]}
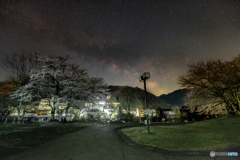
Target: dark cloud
{"type": "Point", "coordinates": [120, 40]}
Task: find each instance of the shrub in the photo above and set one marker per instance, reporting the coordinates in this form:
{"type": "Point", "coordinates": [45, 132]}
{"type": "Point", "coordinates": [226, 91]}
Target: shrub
{"type": "Point", "coordinates": [127, 117]}
{"type": "Point", "coordinates": [136, 119]}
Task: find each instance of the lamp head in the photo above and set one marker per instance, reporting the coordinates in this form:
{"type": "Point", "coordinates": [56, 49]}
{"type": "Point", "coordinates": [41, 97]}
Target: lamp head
{"type": "Point", "coordinates": [146, 75]}
{"type": "Point", "coordinates": [140, 78]}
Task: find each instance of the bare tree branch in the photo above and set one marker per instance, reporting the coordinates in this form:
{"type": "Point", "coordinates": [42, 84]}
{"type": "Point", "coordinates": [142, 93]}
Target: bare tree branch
{"type": "Point", "coordinates": [214, 84]}
{"type": "Point", "coordinates": [19, 65]}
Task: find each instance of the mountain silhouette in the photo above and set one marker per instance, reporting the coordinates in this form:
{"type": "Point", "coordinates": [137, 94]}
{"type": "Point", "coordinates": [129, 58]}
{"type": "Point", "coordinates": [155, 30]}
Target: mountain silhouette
{"type": "Point", "coordinates": [151, 98]}
{"type": "Point", "coordinates": [175, 98]}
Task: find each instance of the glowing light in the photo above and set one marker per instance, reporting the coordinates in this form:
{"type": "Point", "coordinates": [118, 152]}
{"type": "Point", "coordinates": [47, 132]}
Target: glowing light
{"type": "Point", "coordinates": [106, 111]}
{"type": "Point", "coordinates": [137, 114]}
{"type": "Point", "coordinates": [171, 113]}
{"type": "Point", "coordinates": [102, 102]}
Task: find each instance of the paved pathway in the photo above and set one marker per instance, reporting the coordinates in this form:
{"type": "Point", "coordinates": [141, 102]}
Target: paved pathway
{"type": "Point", "coordinates": [101, 143]}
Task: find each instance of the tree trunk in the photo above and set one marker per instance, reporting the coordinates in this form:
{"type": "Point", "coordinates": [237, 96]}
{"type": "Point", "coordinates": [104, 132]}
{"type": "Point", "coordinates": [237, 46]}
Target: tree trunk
{"type": "Point", "coordinates": [66, 114]}
{"type": "Point", "coordinates": [129, 116]}
{"type": "Point", "coordinates": [24, 111]}
{"type": "Point", "coordinates": [53, 113]}
{"type": "Point", "coordinates": [53, 107]}
{"type": "Point", "coordinates": [19, 112]}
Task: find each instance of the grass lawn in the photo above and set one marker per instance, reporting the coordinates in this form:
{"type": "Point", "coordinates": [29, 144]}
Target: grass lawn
{"type": "Point", "coordinates": [17, 137]}
{"type": "Point", "coordinates": [199, 136]}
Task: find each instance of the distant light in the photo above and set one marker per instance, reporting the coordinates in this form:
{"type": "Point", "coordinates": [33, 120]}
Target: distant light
{"type": "Point", "coordinates": [137, 114]}
{"type": "Point", "coordinates": [171, 113]}
{"type": "Point", "coordinates": [106, 111]}
{"type": "Point", "coordinates": [102, 102]}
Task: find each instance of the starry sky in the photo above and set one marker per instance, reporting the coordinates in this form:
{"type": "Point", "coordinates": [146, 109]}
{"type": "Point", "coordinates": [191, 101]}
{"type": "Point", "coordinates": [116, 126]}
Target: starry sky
{"type": "Point", "coordinates": [119, 39]}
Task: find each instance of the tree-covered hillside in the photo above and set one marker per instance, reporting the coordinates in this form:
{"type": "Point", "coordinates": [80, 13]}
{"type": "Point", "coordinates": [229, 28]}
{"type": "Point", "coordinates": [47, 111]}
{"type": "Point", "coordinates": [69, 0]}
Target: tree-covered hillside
{"type": "Point", "coordinates": [127, 92]}
{"type": "Point", "coordinates": [176, 98]}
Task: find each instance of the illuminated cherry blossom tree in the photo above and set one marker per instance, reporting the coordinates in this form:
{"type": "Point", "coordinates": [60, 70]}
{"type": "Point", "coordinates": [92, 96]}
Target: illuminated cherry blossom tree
{"type": "Point", "coordinates": [58, 82]}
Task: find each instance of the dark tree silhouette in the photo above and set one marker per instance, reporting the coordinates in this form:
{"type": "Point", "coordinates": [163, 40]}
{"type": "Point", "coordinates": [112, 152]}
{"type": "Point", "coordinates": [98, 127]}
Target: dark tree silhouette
{"type": "Point", "coordinates": [19, 65]}
{"type": "Point", "coordinates": [214, 85]}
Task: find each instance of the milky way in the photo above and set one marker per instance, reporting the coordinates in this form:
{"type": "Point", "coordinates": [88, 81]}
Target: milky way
{"type": "Point", "coordinates": [119, 40]}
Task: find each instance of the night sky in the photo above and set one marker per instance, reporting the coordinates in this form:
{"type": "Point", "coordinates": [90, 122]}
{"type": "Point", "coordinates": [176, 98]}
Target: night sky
{"type": "Point", "coordinates": [119, 40]}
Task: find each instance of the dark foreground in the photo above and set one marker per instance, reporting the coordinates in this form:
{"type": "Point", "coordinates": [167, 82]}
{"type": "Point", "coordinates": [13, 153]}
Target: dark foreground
{"type": "Point", "coordinates": [100, 142]}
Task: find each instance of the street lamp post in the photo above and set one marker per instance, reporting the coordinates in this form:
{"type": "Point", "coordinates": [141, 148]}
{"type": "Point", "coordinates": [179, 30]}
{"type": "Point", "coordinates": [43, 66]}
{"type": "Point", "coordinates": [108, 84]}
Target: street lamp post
{"type": "Point", "coordinates": [144, 77]}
